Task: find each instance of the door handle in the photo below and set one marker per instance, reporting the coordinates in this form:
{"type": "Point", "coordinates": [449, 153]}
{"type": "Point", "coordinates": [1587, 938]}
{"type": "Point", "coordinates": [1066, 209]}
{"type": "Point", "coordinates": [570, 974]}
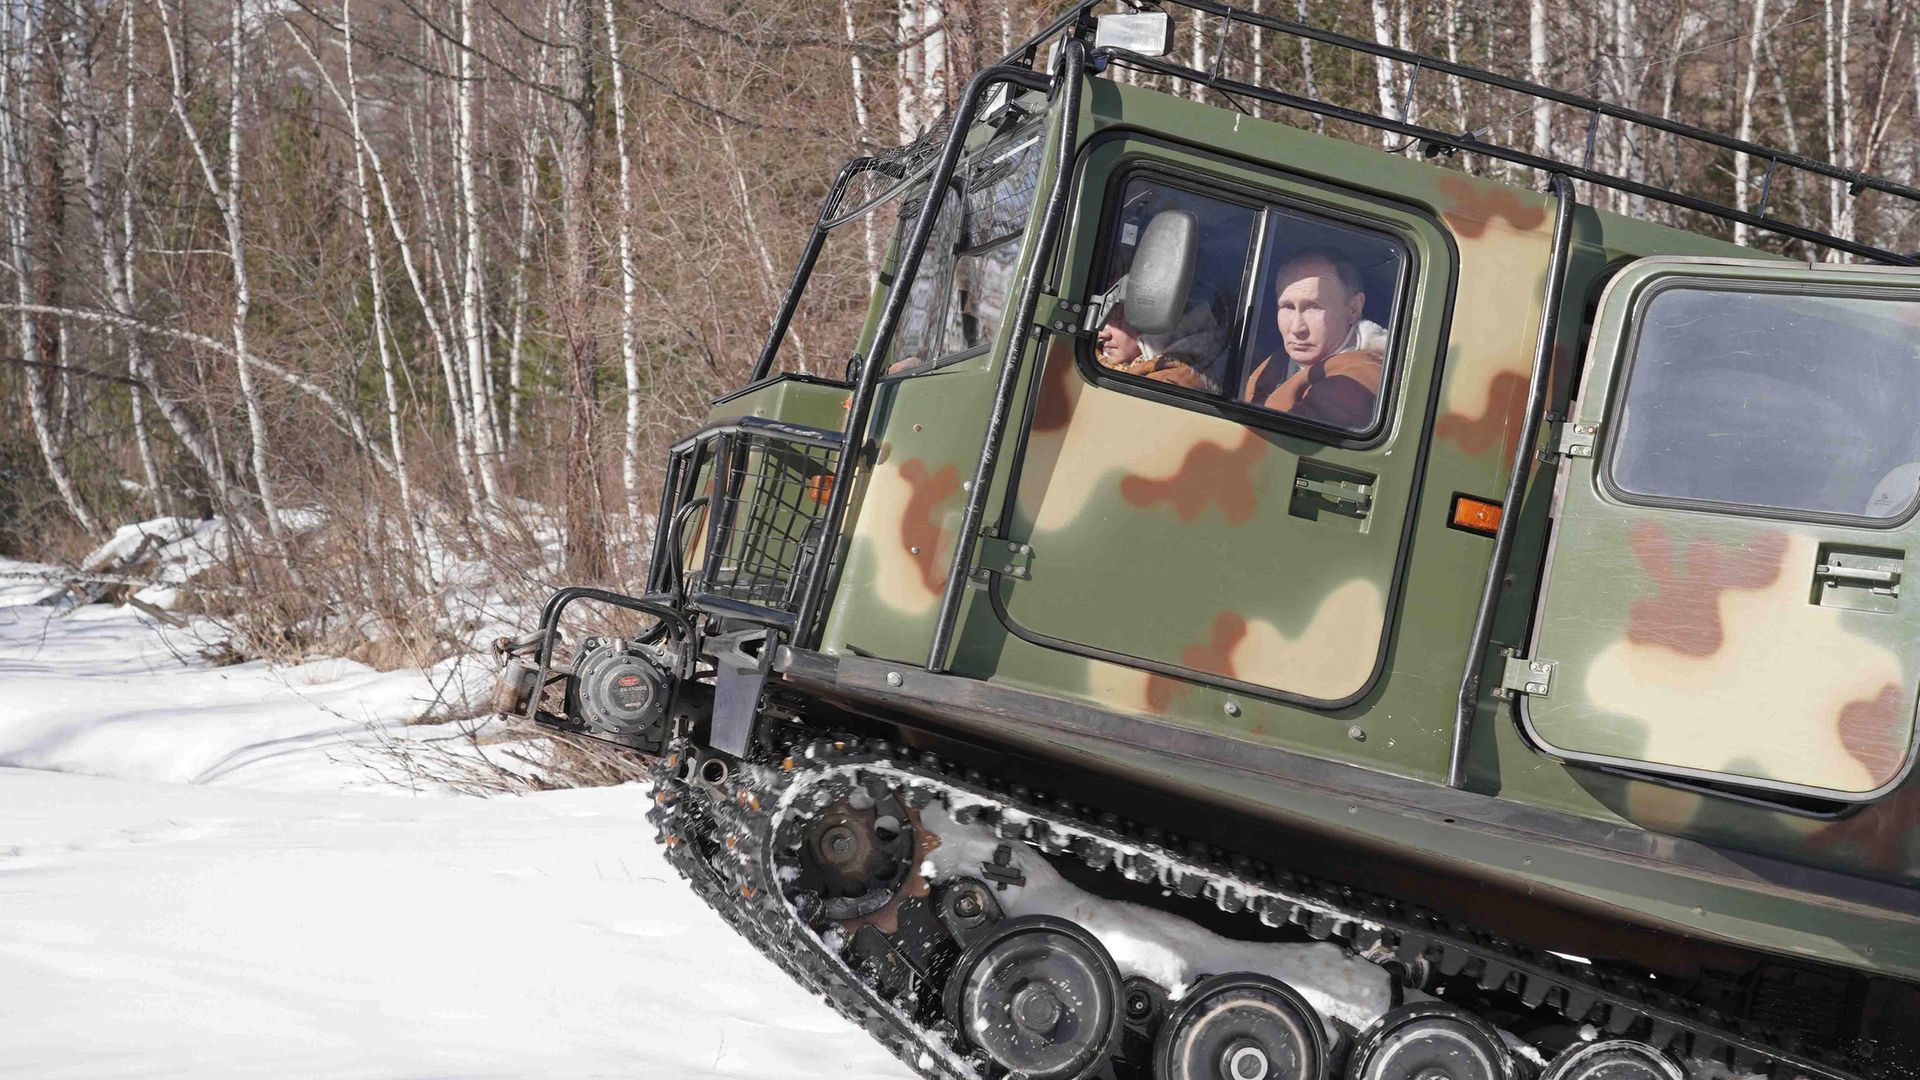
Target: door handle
{"type": "Point", "coordinates": [1858, 575]}
{"type": "Point", "coordinates": [1858, 580]}
{"type": "Point", "coordinates": [1359, 496]}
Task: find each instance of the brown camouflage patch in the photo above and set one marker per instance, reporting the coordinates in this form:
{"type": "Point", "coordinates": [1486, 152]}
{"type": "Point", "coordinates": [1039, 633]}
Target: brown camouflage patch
{"type": "Point", "coordinates": [1208, 474]}
{"type": "Point", "coordinates": [1215, 658]}
{"type": "Point", "coordinates": [920, 535]}
{"type": "Point", "coordinates": [1498, 425]}
{"type": "Point", "coordinates": [1054, 408]}
{"type": "Point", "coordinates": [1683, 614]}
{"type": "Point", "coordinates": [1875, 732]}
{"type": "Point", "coordinates": [1476, 203]}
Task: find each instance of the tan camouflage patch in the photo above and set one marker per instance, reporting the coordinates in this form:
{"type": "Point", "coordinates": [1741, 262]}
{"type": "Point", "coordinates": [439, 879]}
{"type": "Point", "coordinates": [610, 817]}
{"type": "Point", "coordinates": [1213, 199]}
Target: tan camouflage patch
{"type": "Point", "coordinates": [1745, 676]}
{"type": "Point", "coordinates": [1329, 660]}
{"type": "Point", "coordinates": [901, 523]}
{"type": "Point", "coordinates": [1083, 437]}
{"type": "Point", "coordinates": [1504, 238]}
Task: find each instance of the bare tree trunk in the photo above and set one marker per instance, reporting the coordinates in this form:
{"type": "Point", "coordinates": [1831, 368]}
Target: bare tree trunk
{"type": "Point", "coordinates": [586, 536]}
{"type": "Point", "coordinates": [377, 286]}
{"type": "Point", "coordinates": [227, 198]}
{"type": "Point", "coordinates": [1383, 68]}
{"type": "Point", "coordinates": [933, 63]}
{"type": "Point", "coordinates": [115, 253]}
{"type": "Point", "coordinates": [36, 212]}
{"type": "Point", "coordinates": [1307, 75]}
{"type": "Point", "coordinates": [472, 325]}
{"type": "Point", "coordinates": [907, 67]}
{"type": "Point", "coordinates": [629, 276]}
{"type": "Point", "coordinates": [1537, 71]}
{"type": "Point", "coordinates": [857, 69]}
{"type": "Point", "coordinates": [1742, 166]}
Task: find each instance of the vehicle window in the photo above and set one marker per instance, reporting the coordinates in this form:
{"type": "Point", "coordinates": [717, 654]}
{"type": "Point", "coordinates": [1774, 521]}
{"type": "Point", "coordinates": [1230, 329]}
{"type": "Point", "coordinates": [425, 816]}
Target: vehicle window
{"type": "Point", "coordinates": [1290, 312]}
{"type": "Point", "coordinates": [1770, 400]}
{"type": "Point", "coordinates": [961, 291]}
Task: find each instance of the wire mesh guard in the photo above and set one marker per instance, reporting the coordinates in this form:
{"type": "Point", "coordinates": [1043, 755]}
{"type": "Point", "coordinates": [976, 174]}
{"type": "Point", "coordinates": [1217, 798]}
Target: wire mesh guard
{"type": "Point", "coordinates": [770, 502]}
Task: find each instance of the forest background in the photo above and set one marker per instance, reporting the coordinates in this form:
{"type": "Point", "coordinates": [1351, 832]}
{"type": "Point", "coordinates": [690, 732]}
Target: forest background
{"type": "Point", "coordinates": [384, 281]}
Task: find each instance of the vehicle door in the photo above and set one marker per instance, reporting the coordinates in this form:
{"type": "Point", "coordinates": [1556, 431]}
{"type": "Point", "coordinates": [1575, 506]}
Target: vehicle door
{"type": "Point", "coordinates": [1724, 598]}
{"type": "Point", "coordinates": [1226, 502]}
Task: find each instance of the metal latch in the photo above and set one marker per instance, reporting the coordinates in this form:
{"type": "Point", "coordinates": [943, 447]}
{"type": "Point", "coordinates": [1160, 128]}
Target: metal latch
{"type": "Point", "coordinates": [1574, 440]}
{"type": "Point", "coordinates": [1524, 676]}
{"type": "Point", "coordinates": [1009, 557]}
{"type": "Point", "coordinates": [1344, 492]}
{"type": "Point", "coordinates": [1060, 315]}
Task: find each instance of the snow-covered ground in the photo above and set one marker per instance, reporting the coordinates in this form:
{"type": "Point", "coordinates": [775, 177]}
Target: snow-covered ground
{"type": "Point", "coordinates": [209, 871]}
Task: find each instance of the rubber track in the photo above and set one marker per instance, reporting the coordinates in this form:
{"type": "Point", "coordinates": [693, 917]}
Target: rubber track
{"type": "Point", "coordinates": [727, 841]}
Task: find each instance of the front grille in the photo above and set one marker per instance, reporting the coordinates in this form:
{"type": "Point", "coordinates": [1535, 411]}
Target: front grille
{"type": "Point", "coordinates": [757, 493]}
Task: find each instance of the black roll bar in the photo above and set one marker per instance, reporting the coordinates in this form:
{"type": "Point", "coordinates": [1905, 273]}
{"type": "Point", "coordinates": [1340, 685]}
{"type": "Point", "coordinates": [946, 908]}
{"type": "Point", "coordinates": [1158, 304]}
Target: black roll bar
{"type": "Point", "coordinates": [860, 408]}
{"type": "Point", "coordinates": [1469, 703]}
{"type": "Point", "coordinates": [1073, 62]}
{"type": "Point", "coordinates": [808, 257]}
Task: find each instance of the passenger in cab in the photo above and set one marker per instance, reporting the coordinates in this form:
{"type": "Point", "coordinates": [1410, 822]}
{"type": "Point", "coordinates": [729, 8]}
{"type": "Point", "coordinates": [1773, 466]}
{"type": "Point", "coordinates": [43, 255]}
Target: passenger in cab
{"type": "Point", "coordinates": [1193, 354]}
{"type": "Point", "coordinates": [1332, 358]}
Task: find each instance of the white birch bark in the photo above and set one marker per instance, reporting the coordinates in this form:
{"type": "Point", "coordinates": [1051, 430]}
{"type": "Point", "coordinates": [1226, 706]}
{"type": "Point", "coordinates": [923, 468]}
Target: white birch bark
{"type": "Point", "coordinates": [1537, 72]}
{"type": "Point", "coordinates": [472, 289]}
{"type": "Point", "coordinates": [1307, 75]}
{"type": "Point", "coordinates": [907, 67]}
{"type": "Point", "coordinates": [1742, 164]}
{"type": "Point", "coordinates": [857, 69]}
{"type": "Point", "coordinates": [377, 285]}
{"type": "Point", "coordinates": [629, 342]}
{"type": "Point", "coordinates": [226, 196]}
{"type": "Point", "coordinates": [1382, 67]}
{"type": "Point", "coordinates": [933, 60]}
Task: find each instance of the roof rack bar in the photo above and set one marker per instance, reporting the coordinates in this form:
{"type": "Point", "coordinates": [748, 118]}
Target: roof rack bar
{"type": "Point", "coordinates": [1506, 153]}
{"type": "Point", "coordinates": [1505, 82]}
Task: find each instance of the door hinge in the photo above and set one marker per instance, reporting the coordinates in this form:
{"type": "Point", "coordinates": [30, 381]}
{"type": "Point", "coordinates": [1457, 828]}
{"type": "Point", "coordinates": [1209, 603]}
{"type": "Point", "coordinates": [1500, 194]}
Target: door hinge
{"type": "Point", "coordinates": [1524, 676]}
{"type": "Point", "coordinates": [1574, 440]}
{"type": "Point", "coordinates": [1060, 315]}
{"type": "Point", "coordinates": [1007, 557]}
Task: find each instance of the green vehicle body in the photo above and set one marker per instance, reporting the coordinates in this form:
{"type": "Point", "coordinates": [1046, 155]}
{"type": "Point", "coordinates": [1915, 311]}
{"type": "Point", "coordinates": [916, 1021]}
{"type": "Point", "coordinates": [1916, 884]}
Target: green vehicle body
{"type": "Point", "coordinates": [1189, 605]}
{"type": "Point", "coordinates": [1692, 748]}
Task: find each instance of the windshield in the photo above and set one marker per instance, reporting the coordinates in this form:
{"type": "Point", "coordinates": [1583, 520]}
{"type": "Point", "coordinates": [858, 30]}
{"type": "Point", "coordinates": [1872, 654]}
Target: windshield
{"type": "Point", "coordinates": [959, 296]}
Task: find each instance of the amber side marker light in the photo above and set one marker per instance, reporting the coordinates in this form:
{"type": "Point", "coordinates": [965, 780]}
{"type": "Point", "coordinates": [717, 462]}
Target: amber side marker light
{"type": "Point", "coordinates": [1475, 515]}
{"type": "Point", "coordinates": [820, 487]}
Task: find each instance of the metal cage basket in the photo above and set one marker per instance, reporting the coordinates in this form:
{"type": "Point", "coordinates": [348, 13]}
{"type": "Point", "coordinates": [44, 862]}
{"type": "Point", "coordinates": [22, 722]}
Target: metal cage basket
{"type": "Point", "coordinates": [746, 504]}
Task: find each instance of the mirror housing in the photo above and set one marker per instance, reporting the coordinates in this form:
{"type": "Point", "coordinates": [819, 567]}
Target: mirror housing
{"type": "Point", "coordinates": [1155, 288]}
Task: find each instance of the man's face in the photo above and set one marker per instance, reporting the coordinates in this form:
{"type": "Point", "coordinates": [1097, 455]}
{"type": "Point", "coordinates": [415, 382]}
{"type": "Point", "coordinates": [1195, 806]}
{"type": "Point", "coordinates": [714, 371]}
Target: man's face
{"type": "Point", "coordinates": [1119, 343]}
{"type": "Point", "coordinates": [1315, 311]}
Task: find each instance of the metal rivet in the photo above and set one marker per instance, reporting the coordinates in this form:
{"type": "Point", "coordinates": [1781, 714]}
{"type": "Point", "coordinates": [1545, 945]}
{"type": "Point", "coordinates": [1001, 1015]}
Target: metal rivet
{"type": "Point", "coordinates": [1536, 688]}
{"type": "Point", "coordinates": [1026, 549]}
{"type": "Point", "coordinates": [966, 485]}
{"type": "Point", "coordinates": [1231, 708]}
{"type": "Point", "coordinates": [1357, 733]}
{"type": "Point", "coordinates": [914, 550]}
{"type": "Point", "coordinates": [894, 679]}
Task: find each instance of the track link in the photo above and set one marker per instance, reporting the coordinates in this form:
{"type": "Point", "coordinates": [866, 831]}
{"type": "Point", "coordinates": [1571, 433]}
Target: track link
{"type": "Point", "coordinates": [730, 839]}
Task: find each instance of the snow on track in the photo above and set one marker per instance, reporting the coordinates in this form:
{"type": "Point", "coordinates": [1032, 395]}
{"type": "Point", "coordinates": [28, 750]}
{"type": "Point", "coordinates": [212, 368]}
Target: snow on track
{"type": "Point", "coordinates": [212, 885]}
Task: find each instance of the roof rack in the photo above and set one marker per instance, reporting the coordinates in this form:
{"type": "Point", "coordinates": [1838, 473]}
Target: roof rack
{"type": "Point", "coordinates": [1437, 141]}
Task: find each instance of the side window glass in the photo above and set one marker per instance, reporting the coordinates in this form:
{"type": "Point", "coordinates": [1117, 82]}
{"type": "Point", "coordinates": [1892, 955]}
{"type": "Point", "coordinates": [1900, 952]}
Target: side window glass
{"type": "Point", "coordinates": [1770, 400]}
{"type": "Point", "coordinates": [1290, 313]}
{"type": "Point", "coordinates": [961, 291]}
{"type": "Point", "coordinates": [914, 339]}
{"type": "Point", "coordinates": [1198, 352]}
{"type": "Point", "coordinates": [1318, 345]}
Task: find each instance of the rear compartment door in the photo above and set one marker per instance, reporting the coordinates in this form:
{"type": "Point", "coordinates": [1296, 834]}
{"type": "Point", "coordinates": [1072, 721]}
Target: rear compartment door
{"type": "Point", "coordinates": [1725, 597]}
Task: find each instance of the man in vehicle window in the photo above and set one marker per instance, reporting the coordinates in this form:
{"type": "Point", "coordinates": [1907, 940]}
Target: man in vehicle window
{"type": "Point", "coordinates": [1193, 353]}
{"type": "Point", "coordinates": [1335, 357]}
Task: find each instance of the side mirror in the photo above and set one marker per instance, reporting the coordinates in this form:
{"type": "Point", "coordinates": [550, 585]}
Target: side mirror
{"type": "Point", "coordinates": [1156, 287]}
{"type": "Point", "coordinates": [1146, 33]}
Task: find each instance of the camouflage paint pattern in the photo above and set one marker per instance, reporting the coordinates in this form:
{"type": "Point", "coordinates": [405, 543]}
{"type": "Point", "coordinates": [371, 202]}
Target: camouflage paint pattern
{"type": "Point", "coordinates": [1692, 640]}
{"type": "Point", "coordinates": [1158, 531]}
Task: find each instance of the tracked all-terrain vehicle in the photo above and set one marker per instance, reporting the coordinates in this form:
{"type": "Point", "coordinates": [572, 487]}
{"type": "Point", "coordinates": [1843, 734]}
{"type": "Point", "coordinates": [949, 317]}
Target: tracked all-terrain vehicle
{"type": "Point", "coordinates": [1266, 607]}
